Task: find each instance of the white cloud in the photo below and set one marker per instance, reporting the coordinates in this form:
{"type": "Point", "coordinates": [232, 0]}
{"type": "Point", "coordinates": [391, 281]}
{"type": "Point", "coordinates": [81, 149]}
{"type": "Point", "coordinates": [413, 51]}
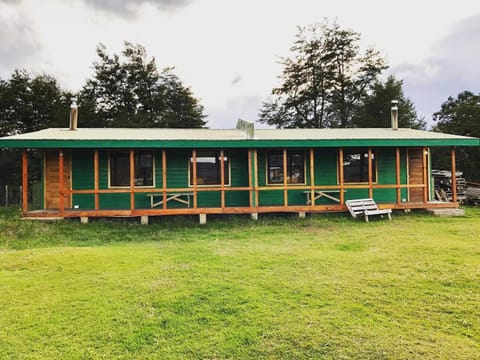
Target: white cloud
{"type": "Point", "coordinates": [227, 51]}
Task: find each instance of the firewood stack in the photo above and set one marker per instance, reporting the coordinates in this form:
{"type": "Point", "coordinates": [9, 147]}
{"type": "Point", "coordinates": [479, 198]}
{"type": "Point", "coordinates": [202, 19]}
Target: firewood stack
{"type": "Point", "coordinates": [472, 195]}
{"type": "Point", "coordinates": [442, 180]}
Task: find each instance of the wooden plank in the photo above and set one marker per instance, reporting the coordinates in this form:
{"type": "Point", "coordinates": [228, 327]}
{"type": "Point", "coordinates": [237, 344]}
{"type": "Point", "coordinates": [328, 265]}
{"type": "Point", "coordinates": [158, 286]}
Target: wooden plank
{"type": "Point", "coordinates": [285, 180]}
{"type": "Point", "coordinates": [341, 178]}
{"type": "Point", "coordinates": [132, 179]}
{"type": "Point", "coordinates": [370, 179]}
{"type": "Point", "coordinates": [24, 182]}
{"type": "Point", "coordinates": [425, 173]}
{"type": "Point", "coordinates": [222, 179]}
{"type": "Point", "coordinates": [61, 183]}
{"type": "Point", "coordinates": [194, 166]}
{"type": "Point", "coordinates": [164, 177]}
{"type": "Point", "coordinates": [398, 175]}
{"type": "Point", "coordinates": [95, 179]}
{"type": "Point", "coordinates": [255, 166]}
{"type": "Point", "coordinates": [454, 174]}
{"type": "Point", "coordinates": [312, 176]}
{"type": "Point", "coordinates": [250, 192]}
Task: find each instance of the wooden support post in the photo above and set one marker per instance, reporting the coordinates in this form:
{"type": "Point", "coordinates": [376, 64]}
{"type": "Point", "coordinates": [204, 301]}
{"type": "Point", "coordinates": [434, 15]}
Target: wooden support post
{"type": "Point", "coordinates": [194, 166]}
{"type": "Point", "coordinates": [370, 174]}
{"type": "Point", "coordinates": [250, 192]}
{"type": "Point", "coordinates": [285, 180]}
{"type": "Point", "coordinates": [340, 175]}
{"type": "Point", "coordinates": [144, 219]}
{"type": "Point", "coordinates": [61, 181]}
{"type": "Point", "coordinates": [454, 174]}
{"type": "Point", "coordinates": [397, 175]}
{"type": "Point", "coordinates": [222, 178]}
{"type": "Point", "coordinates": [24, 182]}
{"type": "Point", "coordinates": [312, 177]}
{"type": "Point", "coordinates": [255, 170]}
{"type": "Point", "coordinates": [95, 179]}
{"type": "Point", "coordinates": [132, 179]}
{"type": "Point", "coordinates": [425, 172]}
{"type": "Point", "coordinates": [202, 219]}
{"type": "Point", "coordinates": [164, 177]}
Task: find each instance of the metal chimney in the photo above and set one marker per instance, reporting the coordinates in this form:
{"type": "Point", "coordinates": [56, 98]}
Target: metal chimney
{"type": "Point", "coordinates": [394, 114]}
{"type": "Point", "coordinates": [73, 114]}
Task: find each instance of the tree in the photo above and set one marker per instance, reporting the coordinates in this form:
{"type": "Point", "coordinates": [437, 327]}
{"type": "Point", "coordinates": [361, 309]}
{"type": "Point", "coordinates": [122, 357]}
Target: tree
{"type": "Point", "coordinates": [31, 102]}
{"type": "Point", "coordinates": [375, 109]}
{"type": "Point", "coordinates": [460, 116]}
{"type": "Point", "coordinates": [323, 81]}
{"type": "Point", "coordinates": [28, 103]}
{"type": "Point", "coordinates": [130, 92]}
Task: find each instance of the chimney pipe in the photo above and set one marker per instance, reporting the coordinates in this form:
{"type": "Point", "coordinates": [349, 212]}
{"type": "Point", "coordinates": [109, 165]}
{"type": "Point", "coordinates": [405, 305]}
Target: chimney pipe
{"type": "Point", "coordinates": [394, 114]}
{"type": "Point", "coordinates": [73, 114]}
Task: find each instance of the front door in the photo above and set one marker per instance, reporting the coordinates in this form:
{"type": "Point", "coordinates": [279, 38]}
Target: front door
{"type": "Point", "coordinates": [416, 171]}
{"type": "Point", "coordinates": [52, 184]}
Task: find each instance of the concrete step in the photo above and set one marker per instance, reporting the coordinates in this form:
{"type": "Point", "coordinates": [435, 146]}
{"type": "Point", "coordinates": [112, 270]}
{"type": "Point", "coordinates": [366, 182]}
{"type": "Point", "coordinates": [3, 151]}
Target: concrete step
{"type": "Point", "coordinates": [447, 212]}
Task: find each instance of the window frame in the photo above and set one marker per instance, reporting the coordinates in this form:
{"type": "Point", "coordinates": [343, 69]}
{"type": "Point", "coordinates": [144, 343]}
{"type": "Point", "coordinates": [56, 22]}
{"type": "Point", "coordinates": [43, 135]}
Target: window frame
{"type": "Point", "coordinates": [374, 165]}
{"type": "Point", "coordinates": [110, 152]}
{"type": "Point", "coordinates": [267, 167]}
{"type": "Point", "coordinates": [227, 168]}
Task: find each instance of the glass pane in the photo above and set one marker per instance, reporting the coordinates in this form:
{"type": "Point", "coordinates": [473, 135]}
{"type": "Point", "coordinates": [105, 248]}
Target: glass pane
{"type": "Point", "coordinates": [209, 168]}
{"type": "Point", "coordinates": [119, 168]}
{"type": "Point", "coordinates": [296, 167]}
{"type": "Point", "coordinates": [275, 167]}
{"type": "Point", "coordinates": [144, 168]}
{"type": "Point", "coordinates": [355, 166]}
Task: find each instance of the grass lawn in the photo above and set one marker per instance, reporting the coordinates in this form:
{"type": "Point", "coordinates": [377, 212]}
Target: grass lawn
{"type": "Point", "coordinates": [279, 288]}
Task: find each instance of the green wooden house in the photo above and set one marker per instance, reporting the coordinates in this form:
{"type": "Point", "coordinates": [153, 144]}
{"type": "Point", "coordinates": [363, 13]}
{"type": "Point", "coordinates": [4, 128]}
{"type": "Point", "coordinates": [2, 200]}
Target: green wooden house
{"type": "Point", "coordinates": [153, 172]}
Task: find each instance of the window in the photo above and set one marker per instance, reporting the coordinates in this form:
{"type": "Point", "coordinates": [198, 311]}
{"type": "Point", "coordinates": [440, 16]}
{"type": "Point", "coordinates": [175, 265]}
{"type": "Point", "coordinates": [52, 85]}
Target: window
{"type": "Point", "coordinates": [120, 168]}
{"type": "Point", "coordinates": [355, 166]}
{"type": "Point", "coordinates": [209, 168]}
{"type": "Point", "coordinates": [295, 167]}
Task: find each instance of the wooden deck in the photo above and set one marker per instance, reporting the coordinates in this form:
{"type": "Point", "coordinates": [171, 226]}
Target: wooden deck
{"type": "Point", "coordinates": [56, 214]}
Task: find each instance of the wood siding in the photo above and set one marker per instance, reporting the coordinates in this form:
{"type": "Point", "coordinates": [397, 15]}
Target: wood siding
{"type": "Point", "coordinates": [325, 166]}
{"type": "Point", "coordinates": [415, 174]}
{"type": "Point", "coordinates": [52, 183]}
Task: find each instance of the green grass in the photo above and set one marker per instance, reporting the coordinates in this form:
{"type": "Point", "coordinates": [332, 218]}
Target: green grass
{"type": "Point", "coordinates": [279, 288]}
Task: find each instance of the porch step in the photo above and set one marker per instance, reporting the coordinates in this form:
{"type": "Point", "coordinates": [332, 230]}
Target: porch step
{"type": "Point", "coordinates": [447, 212]}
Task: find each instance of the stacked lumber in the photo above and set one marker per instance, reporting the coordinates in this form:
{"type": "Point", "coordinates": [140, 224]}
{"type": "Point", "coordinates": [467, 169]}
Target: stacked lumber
{"type": "Point", "coordinates": [472, 195]}
{"type": "Point", "coordinates": [442, 180]}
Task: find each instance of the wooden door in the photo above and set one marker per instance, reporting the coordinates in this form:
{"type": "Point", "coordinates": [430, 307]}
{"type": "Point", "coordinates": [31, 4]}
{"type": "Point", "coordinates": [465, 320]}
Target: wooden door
{"type": "Point", "coordinates": [52, 188]}
{"type": "Point", "coordinates": [415, 174]}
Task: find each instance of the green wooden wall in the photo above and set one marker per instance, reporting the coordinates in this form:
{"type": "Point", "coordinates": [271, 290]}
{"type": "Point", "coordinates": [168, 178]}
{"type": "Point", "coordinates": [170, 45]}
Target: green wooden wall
{"type": "Point", "coordinates": [325, 167]}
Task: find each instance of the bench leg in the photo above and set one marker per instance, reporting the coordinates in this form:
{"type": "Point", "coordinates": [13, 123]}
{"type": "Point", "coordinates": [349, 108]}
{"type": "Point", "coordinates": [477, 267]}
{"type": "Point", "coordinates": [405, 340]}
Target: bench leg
{"type": "Point", "coordinates": [302, 214]}
{"type": "Point", "coordinates": [389, 216]}
{"type": "Point", "coordinates": [202, 219]}
{"type": "Point", "coordinates": [84, 219]}
{"type": "Point", "coordinates": [144, 219]}
{"type": "Point", "coordinates": [366, 218]}
{"type": "Point", "coordinates": [254, 216]}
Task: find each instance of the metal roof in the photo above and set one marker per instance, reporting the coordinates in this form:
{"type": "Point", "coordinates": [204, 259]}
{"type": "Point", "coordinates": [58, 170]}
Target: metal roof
{"type": "Point", "coordinates": [154, 137]}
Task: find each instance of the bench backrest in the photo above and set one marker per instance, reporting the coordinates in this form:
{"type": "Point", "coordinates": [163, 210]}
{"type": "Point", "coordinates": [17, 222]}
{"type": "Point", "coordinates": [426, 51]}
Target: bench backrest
{"type": "Point", "coordinates": [359, 206]}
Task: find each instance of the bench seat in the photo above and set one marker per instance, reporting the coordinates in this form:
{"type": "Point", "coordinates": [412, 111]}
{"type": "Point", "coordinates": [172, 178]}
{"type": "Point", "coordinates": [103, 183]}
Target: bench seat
{"type": "Point", "coordinates": [366, 208]}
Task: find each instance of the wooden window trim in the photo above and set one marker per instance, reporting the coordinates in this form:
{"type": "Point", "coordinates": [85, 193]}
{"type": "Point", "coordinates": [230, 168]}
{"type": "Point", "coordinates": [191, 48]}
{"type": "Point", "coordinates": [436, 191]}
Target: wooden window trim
{"type": "Point", "coordinates": [282, 183]}
{"type": "Point", "coordinates": [225, 154]}
{"type": "Point", "coordinates": [128, 186]}
{"type": "Point", "coordinates": [375, 161]}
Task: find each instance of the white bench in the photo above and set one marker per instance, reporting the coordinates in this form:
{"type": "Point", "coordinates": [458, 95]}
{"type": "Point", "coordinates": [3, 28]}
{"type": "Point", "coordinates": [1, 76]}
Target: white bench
{"type": "Point", "coordinates": [366, 207]}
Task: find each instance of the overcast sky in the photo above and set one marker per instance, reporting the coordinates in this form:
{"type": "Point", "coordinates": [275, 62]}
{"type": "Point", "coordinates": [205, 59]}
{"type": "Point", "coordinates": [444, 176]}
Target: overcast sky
{"type": "Point", "coordinates": [227, 50]}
